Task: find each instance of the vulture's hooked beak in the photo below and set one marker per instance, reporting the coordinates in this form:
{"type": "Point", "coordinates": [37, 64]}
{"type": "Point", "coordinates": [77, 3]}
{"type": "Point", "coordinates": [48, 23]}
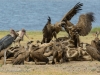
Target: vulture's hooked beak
{"type": "Point", "coordinates": [63, 24]}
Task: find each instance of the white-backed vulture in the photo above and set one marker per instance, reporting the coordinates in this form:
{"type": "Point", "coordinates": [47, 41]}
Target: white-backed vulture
{"type": "Point", "coordinates": [93, 52]}
{"type": "Point", "coordinates": [37, 56]}
{"type": "Point", "coordinates": [21, 55]}
{"type": "Point", "coordinates": [96, 42]}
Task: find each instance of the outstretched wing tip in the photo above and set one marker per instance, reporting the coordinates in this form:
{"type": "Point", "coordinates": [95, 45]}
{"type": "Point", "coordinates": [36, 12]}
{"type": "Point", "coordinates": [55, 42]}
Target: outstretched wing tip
{"type": "Point", "coordinates": [85, 22]}
{"type": "Point", "coordinates": [79, 4]}
{"type": "Point", "coordinates": [91, 16]}
{"type": "Point", "coordinates": [73, 11]}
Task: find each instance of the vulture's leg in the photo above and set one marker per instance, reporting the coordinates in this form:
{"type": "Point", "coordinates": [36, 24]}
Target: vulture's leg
{"type": "Point", "coordinates": [45, 40]}
{"type": "Point", "coordinates": [78, 41]}
{"type": "Point", "coordinates": [19, 44]}
{"type": "Point", "coordinates": [55, 54]}
{"type": "Point", "coordinates": [55, 35]}
{"type": "Point", "coordinates": [61, 60]}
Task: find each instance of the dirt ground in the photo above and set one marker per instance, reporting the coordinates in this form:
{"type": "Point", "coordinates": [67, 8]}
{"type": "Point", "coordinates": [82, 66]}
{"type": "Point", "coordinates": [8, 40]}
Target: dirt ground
{"type": "Point", "coordinates": [68, 68]}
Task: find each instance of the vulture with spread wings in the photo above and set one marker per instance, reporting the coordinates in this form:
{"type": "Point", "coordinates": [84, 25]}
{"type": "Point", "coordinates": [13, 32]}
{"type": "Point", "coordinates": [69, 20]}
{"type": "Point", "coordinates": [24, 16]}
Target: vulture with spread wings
{"type": "Point", "coordinates": [50, 31]}
{"type": "Point", "coordinates": [82, 28]}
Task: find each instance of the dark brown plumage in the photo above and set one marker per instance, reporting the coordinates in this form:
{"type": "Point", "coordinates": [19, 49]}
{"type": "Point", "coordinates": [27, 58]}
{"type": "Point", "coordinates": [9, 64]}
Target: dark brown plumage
{"type": "Point", "coordinates": [83, 26]}
{"type": "Point", "coordinates": [47, 31]}
{"type": "Point", "coordinates": [96, 43]}
{"type": "Point", "coordinates": [72, 12]}
{"type": "Point", "coordinates": [58, 53]}
{"type": "Point", "coordinates": [50, 31]}
{"type": "Point", "coordinates": [20, 56]}
{"type": "Point", "coordinates": [93, 52]}
{"type": "Point", "coordinates": [37, 55]}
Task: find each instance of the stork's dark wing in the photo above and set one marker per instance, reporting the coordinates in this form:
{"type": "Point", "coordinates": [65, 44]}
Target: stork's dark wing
{"type": "Point", "coordinates": [7, 41]}
{"type": "Point", "coordinates": [85, 23]}
{"type": "Point", "coordinates": [72, 12]}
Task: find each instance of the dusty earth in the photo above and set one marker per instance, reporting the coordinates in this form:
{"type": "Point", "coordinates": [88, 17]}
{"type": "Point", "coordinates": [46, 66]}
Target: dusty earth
{"type": "Point", "coordinates": [68, 68]}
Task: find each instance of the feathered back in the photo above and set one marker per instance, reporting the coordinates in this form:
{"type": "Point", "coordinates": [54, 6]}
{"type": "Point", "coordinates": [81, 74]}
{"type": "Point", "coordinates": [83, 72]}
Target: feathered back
{"type": "Point", "coordinates": [93, 52]}
{"type": "Point", "coordinates": [85, 23]}
{"type": "Point", "coordinates": [72, 12]}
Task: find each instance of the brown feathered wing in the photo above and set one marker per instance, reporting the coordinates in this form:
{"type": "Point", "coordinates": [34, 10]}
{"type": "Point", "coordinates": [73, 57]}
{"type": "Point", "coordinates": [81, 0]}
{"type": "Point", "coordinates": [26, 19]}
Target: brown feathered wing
{"type": "Point", "coordinates": [72, 12]}
{"type": "Point", "coordinates": [84, 24]}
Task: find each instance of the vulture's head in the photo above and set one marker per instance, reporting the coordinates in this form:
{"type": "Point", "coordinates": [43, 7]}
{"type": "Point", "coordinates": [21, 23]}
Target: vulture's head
{"type": "Point", "coordinates": [49, 19]}
{"type": "Point", "coordinates": [58, 26]}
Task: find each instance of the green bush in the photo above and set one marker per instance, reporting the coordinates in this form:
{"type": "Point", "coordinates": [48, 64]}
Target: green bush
{"type": "Point", "coordinates": [95, 29]}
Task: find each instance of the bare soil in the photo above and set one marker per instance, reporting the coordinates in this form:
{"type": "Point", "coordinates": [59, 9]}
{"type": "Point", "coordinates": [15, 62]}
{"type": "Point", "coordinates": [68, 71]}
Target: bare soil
{"type": "Point", "coordinates": [68, 68]}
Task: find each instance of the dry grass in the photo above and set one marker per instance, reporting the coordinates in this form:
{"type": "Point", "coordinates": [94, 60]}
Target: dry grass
{"type": "Point", "coordinates": [37, 35]}
{"type": "Point", "coordinates": [69, 68]}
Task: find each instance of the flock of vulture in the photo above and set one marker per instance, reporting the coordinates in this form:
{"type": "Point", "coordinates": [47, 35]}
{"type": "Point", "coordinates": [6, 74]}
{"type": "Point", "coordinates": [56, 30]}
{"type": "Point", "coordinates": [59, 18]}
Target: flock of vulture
{"type": "Point", "coordinates": [61, 49]}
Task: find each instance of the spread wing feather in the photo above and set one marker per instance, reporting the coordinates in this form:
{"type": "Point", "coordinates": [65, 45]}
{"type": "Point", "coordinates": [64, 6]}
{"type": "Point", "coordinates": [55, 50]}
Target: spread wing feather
{"type": "Point", "coordinates": [72, 12]}
{"type": "Point", "coordinates": [85, 23]}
